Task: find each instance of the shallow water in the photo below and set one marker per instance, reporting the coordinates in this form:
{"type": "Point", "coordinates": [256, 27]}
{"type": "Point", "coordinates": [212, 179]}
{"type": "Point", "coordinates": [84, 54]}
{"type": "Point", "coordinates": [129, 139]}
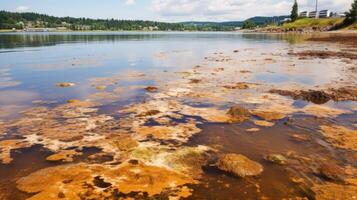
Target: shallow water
{"type": "Point", "coordinates": [31, 64]}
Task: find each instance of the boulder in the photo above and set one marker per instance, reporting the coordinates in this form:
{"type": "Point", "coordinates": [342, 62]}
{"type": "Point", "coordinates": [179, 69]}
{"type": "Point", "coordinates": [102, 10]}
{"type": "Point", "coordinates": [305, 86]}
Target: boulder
{"type": "Point", "coordinates": [239, 165]}
{"type": "Point", "coordinates": [238, 113]}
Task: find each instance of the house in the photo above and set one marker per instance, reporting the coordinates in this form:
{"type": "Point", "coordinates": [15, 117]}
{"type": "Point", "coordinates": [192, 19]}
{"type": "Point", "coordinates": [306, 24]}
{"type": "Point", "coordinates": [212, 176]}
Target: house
{"type": "Point", "coordinates": [312, 14]}
{"type": "Point", "coordinates": [324, 13]}
{"type": "Point", "coordinates": [304, 14]}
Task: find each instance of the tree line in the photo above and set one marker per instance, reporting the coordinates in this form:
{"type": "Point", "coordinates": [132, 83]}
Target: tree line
{"type": "Point", "coordinates": [10, 20]}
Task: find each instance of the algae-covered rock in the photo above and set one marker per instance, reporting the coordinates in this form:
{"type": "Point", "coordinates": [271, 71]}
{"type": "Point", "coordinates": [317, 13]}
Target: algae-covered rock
{"type": "Point", "coordinates": [239, 165]}
{"type": "Point", "coordinates": [276, 158]}
{"type": "Point", "coordinates": [269, 115]}
{"type": "Point", "coordinates": [65, 84]}
{"type": "Point", "coordinates": [151, 89]}
{"type": "Point", "coordinates": [87, 181]}
{"type": "Point", "coordinates": [340, 136]}
{"type": "Point", "coordinates": [239, 113]}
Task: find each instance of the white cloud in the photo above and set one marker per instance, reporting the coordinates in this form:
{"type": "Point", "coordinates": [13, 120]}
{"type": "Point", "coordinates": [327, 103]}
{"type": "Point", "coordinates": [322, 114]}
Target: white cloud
{"type": "Point", "coordinates": [220, 10]}
{"type": "Point", "coordinates": [130, 2]}
{"type": "Point", "coordinates": [22, 9]}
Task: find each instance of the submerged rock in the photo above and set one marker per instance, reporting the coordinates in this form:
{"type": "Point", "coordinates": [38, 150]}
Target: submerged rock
{"type": "Point", "coordinates": [240, 86]}
{"type": "Point", "coordinates": [239, 114]}
{"type": "Point", "coordinates": [340, 136]}
{"type": "Point", "coordinates": [276, 158]}
{"type": "Point", "coordinates": [263, 123]}
{"type": "Point", "coordinates": [300, 137]}
{"type": "Point", "coordinates": [331, 171]}
{"type": "Point", "coordinates": [65, 84]}
{"type": "Point", "coordinates": [269, 115]}
{"type": "Point", "coordinates": [239, 165]}
{"type": "Point", "coordinates": [151, 89]}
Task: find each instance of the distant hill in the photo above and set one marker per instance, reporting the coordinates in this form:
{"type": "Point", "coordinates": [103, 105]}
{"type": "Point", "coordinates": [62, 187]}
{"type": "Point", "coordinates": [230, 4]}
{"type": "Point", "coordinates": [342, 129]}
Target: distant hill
{"type": "Point", "coordinates": [35, 21]}
{"type": "Point", "coordinates": [259, 20]}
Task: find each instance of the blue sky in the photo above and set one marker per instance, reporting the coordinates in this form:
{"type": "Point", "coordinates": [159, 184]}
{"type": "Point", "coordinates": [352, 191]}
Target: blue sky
{"type": "Point", "coordinates": [168, 10]}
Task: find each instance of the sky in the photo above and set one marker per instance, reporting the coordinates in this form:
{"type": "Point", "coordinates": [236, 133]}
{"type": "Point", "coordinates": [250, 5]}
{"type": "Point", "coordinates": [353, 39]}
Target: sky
{"type": "Point", "coordinates": [169, 10]}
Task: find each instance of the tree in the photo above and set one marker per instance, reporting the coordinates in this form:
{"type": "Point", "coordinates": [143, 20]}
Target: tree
{"type": "Point", "coordinates": [351, 15]}
{"type": "Point", "coordinates": [294, 12]}
{"type": "Point", "coordinates": [248, 24]}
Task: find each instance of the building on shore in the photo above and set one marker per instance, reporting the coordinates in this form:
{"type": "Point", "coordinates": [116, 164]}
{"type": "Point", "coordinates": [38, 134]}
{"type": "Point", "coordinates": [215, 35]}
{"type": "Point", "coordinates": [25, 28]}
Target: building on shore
{"type": "Point", "coordinates": [312, 14]}
{"type": "Point", "coordinates": [304, 14]}
{"type": "Point", "coordinates": [324, 13]}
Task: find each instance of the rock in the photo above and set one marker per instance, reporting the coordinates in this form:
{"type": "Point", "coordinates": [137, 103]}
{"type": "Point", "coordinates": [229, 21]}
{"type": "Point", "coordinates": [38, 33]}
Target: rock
{"type": "Point", "coordinates": [151, 89]}
{"type": "Point", "coordinates": [252, 130]}
{"type": "Point", "coordinates": [269, 115]}
{"type": "Point", "coordinates": [240, 85]}
{"type": "Point", "coordinates": [314, 96]}
{"type": "Point", "coordinates": [195, 81]}
{"type": "Point", "coordinates": [236, 51]}
{"type": "Point", "coordinates": [276, 158]}
{"type": "Point", "coordinates": [149, 113]}
{"type": "Point", "coordinates": [332, 171]}
{"type": "Point", "coordinates": [65, 84]}
{"type": "Point", "coordinates": [263, 123]}
{"type": "Point", "coordinates": [239, 165]}
{"type": "Point", "coordinates": [239, 114]}
{"type": "Point", "coordinates": [299, 137]}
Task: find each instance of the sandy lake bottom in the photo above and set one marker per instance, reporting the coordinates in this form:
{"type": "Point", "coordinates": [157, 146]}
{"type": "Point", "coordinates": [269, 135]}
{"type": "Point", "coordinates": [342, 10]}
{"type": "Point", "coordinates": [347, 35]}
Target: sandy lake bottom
{"type": "Point", "coordinates": [177, 116]}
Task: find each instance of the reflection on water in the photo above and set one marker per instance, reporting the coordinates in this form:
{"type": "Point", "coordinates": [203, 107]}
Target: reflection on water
{"type": "Point", "coordinates": [15, 40]}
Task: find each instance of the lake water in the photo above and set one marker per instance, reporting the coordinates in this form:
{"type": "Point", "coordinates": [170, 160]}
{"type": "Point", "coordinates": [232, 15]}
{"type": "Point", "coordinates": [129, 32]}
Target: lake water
{"type": "Point", "coordinates": [124, 63]}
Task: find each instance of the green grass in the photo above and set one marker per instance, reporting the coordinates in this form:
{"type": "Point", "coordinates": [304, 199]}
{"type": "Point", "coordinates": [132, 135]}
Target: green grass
{"type": "Point", "coordinates": [310, 22]}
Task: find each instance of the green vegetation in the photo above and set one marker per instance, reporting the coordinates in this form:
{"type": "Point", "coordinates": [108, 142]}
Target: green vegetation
{"type": "Point", "coordinates": [9, 20]}
{"type": "Point", "coordinates": [248, 25]}
{"type": "Point", "coordinates": [351, 16]}
{"type": "Point", "coordinates": [294, 12]}
{"type": "Point", "coordinates": [312, 22]}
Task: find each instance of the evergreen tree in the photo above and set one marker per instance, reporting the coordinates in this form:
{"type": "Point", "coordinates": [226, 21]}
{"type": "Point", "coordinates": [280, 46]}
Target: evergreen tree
{"type": "Point", "coordinates": [294, 12]}
{"type": "Point", "coordinates": [248, 24]}
{"type": "Point", "coordinates": [351, 16]}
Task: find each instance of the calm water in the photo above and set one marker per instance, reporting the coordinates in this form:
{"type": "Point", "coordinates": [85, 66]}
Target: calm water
{"type": "Point", "coordinates": [32, 63]}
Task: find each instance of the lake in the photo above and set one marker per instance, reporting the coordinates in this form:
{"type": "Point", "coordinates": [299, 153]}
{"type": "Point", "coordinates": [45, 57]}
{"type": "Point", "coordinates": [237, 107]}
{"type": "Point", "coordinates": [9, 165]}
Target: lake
{"type": "Point", "coordinates": [153, 115]}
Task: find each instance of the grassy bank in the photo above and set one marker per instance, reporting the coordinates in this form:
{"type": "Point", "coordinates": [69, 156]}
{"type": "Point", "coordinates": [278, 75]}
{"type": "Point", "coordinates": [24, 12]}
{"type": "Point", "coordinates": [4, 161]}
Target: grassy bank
{"type": "Point", "coordinates": [310, 22]}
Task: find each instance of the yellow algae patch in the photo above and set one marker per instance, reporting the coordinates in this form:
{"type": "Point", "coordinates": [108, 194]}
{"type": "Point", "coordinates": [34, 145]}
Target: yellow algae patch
{"type": "Point", "coordinates": [268, 115]}
{"type": "Point", "coordinates": [124, 143]}
{"type": "Point", "coordinates": [263, 123]}
{"type": "Point", "coordinates": [145, 178]}
{"type": "Point", "coordinates": [64, 155]}
{"type": "Point", "coordinates": [180, 132]}
{"type": "Point", "coordinates": [323, 111]}
{"type": "Point", "coordinates": [84, 180]}
{"type": "Point", "coordinates": [7, 145]}
{"type": "Point", "coordinates": [335, 192]}
{"type": "Point", "coordinates": [64, 181]}
{"type": "Point", "coordinates": [210, 114]}
{"type": "Point", "coordinates": [340, 136]}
